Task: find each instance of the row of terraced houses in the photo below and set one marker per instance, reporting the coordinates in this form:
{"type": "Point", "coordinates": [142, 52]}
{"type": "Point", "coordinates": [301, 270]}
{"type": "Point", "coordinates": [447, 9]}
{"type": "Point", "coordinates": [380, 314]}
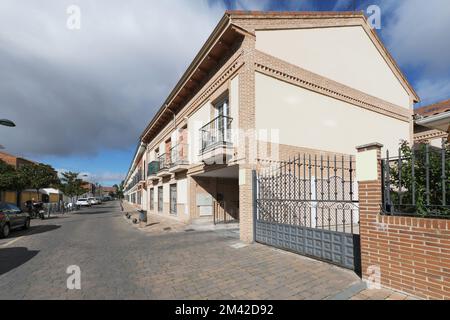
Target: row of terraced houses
{"type": "Point", "coordinates": [265, 87]}
{"type": "Point", "coordinates": [279, 125]}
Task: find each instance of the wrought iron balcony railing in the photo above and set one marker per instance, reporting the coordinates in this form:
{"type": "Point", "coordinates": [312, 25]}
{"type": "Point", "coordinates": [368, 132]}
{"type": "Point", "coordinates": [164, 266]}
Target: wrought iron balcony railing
{"type": "Point", "coordinates": [135, 180]}
{"type": "Point", "coordinates": [179, 154]}
{"type": "Point", "coordinates": [216, 132]}
{"type": "Point", "coordinates": [153, 168]}
{"type": "Point", "coordinates": [164, 161]}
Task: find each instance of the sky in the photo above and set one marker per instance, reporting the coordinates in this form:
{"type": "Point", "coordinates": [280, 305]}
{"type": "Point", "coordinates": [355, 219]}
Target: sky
{"type": "Point", "coordinates": [81, 97]}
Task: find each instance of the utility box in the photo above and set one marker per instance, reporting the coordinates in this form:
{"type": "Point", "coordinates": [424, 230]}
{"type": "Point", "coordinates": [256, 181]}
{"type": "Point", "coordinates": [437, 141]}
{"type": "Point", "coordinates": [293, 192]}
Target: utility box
{"type": "Point", "coordinates": [142, 215]}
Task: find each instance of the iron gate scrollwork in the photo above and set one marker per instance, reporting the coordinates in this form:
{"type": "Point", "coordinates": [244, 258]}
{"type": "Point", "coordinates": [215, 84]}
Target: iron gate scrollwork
{"type": "Point", "coordinates": [309, 205]}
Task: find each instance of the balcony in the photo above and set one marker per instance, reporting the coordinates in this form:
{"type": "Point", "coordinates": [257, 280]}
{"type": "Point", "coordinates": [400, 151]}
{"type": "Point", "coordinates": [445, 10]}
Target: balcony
{"type": "Point", "coordinates": [179, 158]}
{"type": "Point", "coordinates": [164, 164]}
{"type": "Point", "coordinates": [215, 140]}
{"type": "Point", "coordinates": [152, 170]}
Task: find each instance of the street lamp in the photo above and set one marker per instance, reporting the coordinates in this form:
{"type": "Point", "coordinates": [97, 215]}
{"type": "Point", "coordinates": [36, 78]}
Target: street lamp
{"type": "Point", "coordinates": [7, 123]}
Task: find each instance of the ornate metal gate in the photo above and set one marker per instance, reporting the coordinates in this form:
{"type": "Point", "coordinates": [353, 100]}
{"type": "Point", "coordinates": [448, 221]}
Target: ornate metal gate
{"type": "Point", "coordinates": [309, 205]}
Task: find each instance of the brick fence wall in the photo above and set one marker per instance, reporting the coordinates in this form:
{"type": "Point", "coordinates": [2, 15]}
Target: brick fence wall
{"type": "Point", "coordinates": [412, 254]}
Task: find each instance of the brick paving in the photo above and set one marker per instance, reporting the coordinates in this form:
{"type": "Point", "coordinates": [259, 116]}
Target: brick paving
{"type": "Point", "coordinates": [118, 261]}
{"type": "Point", "coordinates": [381, 294]}
{"type": "Point", "coordinates": [156, 224]}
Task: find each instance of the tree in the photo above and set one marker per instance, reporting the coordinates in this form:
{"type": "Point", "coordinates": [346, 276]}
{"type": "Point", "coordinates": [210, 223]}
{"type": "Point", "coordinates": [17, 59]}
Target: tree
{"type": "Point", "coordinates": [38, 176]}
{"type": "Point", "coordinates": [403, 187]}
{"type": "Point", "coordinates": [70, 184]}
{"type": "Point", "coordinates": [8, 176]}
{"type": "Point", "coordinates": [119, 190]}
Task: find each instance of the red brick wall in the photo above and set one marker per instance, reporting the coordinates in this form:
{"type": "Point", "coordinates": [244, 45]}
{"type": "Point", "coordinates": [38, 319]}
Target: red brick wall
{"type": "Point", "coordinates": [9, 159]}
{"type": "Point", "coordinates": [413, 253]}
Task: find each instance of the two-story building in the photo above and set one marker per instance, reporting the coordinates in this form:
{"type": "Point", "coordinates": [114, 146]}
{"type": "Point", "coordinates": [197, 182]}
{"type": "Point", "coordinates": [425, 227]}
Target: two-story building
{"type": "Point", "coordinates": [19, 197]}
{"type": "Point", "coordinates": [264, 87]}
{"type": "Point", "coordinates": [432, 123]}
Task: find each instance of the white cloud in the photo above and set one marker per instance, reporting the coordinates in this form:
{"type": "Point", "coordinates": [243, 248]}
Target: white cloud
{"type": "Point", "coordinates": [255, 5]}
{"type": "Point", "coordinates": [97, 177]}
{"type": "Point", "coordinates": [417, 36]}
{"type": "Point", "coordinates": [343, 5]}
{"type": "Point", "coordinates": [73, 92]}
{"type": "Point", "coordinates": [433, 91]}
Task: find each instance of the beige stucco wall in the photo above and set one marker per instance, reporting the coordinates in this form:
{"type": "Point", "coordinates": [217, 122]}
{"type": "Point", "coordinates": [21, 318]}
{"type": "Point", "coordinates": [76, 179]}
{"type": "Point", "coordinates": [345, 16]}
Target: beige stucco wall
{"type": "Point", "coordinates": [195, 122]}
{"type": "Point", "coordinates": [234, 106]}
{"type": "Point", "coordinates": [166, 190]}
{"type": "Point", "coordinates": [182, 191]}
{"type": "Point", "coordinates": [437, 142]}
{"type": "Point", "coordinates": [344, 54]}
{"type": "Point", "coordinates": [308, 119]}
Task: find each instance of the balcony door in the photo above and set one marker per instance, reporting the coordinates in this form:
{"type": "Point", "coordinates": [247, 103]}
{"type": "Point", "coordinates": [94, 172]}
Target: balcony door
{"type": "Point", "coordinates": [160, 199]}
{"type": "Point", "coordinates": [222, 112]}
{"type": "Point", "coordinates": [152, 200]}
{"type": "Point", "coordinates": [173, 199]}
{"type": "Point", "coordinates": [168, 146]}
{"type": "Point", "coordinates": [180, 152]}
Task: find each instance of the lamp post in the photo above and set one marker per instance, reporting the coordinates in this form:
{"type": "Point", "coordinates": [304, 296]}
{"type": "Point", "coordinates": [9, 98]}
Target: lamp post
{"type": "Point", "coordinates": [7, 123]}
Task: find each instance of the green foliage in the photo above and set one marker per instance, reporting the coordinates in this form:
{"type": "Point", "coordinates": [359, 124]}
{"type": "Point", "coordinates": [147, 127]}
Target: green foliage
{"type": "Point", "coordinates": [402, 179]}
{"type": "Point", "coordinates": [38, 176]}
{"type": "Point", "coordinates": [71, 185]}
{"type": "Point", "coordinates": [8, 176]}
{"type": "Point", "coordinates": [119, 190]}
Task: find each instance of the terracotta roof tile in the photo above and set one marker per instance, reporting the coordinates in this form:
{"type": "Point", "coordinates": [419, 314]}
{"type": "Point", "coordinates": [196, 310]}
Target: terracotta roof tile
{"type": "Point", "coordinates": [293, 13]}
{"type": "Point", "coordinates": [434, 108]}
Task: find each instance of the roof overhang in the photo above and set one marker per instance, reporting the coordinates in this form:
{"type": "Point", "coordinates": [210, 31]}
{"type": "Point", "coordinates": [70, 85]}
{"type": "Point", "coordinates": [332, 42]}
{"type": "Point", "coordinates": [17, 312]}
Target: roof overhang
{"type": "Point", "coordinates": [217, 45]}
{"type": "Point", "coordinates": [440, 121]}
{"type": "Point", "coordinates": [358, 17]}
{"type": "Point", "coordinates": [141, 147]}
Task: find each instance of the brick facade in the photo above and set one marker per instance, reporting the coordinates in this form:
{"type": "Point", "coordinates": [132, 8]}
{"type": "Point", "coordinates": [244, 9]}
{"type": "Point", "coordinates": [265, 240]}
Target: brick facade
{"type": "Point", "coordinates": [244, 61]}
{"type": "Point", "coordinates": [412, 254]}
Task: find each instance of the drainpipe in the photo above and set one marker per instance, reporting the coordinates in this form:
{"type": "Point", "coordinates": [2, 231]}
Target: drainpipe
{"type": "Point", "coordinates": [174, 128]}
{"type": "Point", "coordinates": [174, 117]}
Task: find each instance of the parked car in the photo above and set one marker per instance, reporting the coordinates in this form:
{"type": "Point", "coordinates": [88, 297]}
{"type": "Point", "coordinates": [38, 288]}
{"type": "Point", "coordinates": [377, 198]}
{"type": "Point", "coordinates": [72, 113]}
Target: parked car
{"type": "Point", "coordinates": [93, 200]}
{"type": "Point", "coordinates": [83, 202]}
{"type": "Point", "coordinates": [12, 217]}
{"type": "Point", "coordinates": [99, 199]}
{"type": "Point", "coordinates": [106, 198]}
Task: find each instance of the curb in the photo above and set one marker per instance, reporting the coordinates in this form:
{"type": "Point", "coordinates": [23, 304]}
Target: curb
{"type": "Point", "coordinates": [349, 292]}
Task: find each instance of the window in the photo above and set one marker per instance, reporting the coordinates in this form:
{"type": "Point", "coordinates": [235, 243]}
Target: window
{"type": "Point", "coordinates": [222, 113]}
{"type": "Point", "coordinates": [222, 108]}
{"type": "Point", "coordinates": [160, 199]}
{"type": "Point", "coordinates": [152, 195]}
{"type": "Point", "coordinates": [173, 199]}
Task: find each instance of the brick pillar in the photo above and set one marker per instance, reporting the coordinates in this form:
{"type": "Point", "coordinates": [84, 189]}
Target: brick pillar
{"type": "Point", "coordinates": [245, 204]}
{"type": "Point", "coordinates": [368, 175]}
{"type": "Point", "coordinates": [246, 139]}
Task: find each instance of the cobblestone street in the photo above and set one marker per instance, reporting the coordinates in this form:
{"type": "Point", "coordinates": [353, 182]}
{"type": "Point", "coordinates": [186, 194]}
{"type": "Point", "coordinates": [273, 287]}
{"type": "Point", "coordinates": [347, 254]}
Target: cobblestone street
{"type": "Point", "coordinates": [118, 261]}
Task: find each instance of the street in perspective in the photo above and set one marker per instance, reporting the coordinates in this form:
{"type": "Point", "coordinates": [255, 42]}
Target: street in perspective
{"type": "Point", "coordinates": [225, 151]}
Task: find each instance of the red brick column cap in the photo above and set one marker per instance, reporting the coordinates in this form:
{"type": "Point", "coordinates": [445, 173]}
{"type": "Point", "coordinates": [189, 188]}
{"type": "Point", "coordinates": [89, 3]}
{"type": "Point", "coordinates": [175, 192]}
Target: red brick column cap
{"type": "Point", "coordinates": [369, 146]}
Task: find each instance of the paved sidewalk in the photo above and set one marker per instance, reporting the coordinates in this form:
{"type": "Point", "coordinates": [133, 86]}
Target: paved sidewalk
{"type": "Point", "coordinates": [156, 224]}
{"type": "Point", "coordinates": [381, 294]}
{"type": "Point", "coordinates": [192, 264]}
{"type": "Point", "coordinates": [118, 261]}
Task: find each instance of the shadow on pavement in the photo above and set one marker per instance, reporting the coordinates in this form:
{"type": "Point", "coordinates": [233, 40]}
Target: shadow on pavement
{"type": "Point", "coordinates": [107, 207]}
{"type": "Point", "coordinates": [34, 230]}
{"type": "Point", "coordinates": [11, 258]}
{"type": "Point", "coordinates": [96, 212]}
